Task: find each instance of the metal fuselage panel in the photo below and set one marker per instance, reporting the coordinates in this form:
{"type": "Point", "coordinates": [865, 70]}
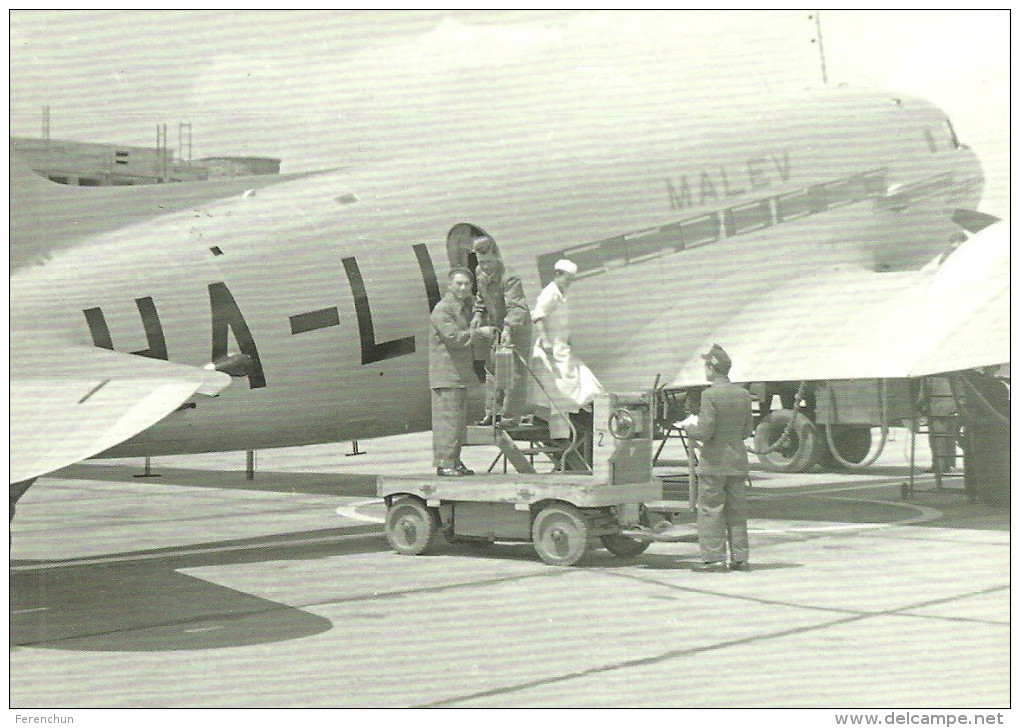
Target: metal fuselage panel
{"type": "Point", "coordinates": [329, 280]}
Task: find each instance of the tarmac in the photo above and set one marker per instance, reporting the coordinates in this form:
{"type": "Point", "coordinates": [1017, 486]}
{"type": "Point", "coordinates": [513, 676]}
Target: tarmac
{"type": "Point", "coordinates": [201, 589]}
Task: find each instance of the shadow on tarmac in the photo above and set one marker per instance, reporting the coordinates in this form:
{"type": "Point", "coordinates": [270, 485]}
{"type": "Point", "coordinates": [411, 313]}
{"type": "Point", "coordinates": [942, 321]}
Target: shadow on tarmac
{"type": "Point", "coordinates": [340, 484]}
{"type": "Point", "coordinates": [140, 601]}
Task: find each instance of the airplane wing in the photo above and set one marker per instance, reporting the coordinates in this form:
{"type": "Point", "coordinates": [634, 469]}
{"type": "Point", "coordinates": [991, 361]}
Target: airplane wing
{"type": "Point", "coordinates": [69, 403]}
{"type": "Point", "coordinates": [857, 324]}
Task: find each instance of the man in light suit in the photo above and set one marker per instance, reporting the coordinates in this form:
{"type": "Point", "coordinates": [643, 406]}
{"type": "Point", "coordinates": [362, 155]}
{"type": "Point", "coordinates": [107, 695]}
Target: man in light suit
{"type": "Point", "coordinates": [722, 426]}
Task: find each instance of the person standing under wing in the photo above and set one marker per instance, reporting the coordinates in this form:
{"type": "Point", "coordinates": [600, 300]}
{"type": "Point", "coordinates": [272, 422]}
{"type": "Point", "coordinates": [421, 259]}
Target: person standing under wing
{"type": "Point", "coordinates": [724, 422]}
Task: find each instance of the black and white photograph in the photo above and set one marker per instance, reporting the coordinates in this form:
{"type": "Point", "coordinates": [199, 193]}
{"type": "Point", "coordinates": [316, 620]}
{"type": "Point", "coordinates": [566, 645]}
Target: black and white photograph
{"type": "Point", "coordinates": [510, 359]}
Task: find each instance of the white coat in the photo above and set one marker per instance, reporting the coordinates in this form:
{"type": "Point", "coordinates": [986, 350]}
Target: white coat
{"type": "Point", "coordinates": [565, 383]}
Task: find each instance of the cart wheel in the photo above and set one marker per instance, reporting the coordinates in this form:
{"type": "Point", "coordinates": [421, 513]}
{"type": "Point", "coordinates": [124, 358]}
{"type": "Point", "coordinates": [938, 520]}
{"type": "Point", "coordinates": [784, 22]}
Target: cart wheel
{"type": "Point", "coordinates": [560, 534]}
{"type": "Point", "coordinates": [624, 546]}
{"type": "Point", "coordinates": [411, 527]}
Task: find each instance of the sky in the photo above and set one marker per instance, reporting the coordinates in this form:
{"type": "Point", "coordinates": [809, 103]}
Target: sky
{"type": "Point", "coordinates": [317, 88]}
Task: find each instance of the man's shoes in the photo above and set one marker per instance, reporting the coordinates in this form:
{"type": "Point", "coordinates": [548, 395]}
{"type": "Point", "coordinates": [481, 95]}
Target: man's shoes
{"type": "Point", "coordinates": [485, 421]}
{"type": "Point", "coordinates": [506, 422]}
{"type": "Point", "coordinates": [710, 567]}
{"type": "Point", "coordinates": [739, 566]}
{"type": "Point", "coordinates": [463, 469]}
{"type": "Point", "coordinates": [448, 472]}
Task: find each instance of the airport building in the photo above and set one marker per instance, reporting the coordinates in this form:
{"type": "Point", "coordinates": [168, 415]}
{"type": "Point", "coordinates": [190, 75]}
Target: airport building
{"type": "Point", "coordinates": [89, 164]}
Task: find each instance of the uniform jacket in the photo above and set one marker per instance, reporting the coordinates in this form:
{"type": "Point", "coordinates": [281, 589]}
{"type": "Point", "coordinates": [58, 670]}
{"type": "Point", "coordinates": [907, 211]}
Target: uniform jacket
{"type": "Point", "coordinates": [505, 307]}
{"type": "Point", "coordinates": [450, 339]}
{"type": "Point", "coordinates": [723, 424]}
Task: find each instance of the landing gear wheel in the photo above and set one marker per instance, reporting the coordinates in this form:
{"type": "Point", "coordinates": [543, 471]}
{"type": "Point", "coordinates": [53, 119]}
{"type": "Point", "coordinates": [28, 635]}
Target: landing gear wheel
{"type": "Point", "coordinates": [801, 450]}
{"type": "Point", "coordinates": [624, 546]}
{"type": "Point", "coordinates": [560, 534]}
{"type": "Point", "coordinates": [411, 527]}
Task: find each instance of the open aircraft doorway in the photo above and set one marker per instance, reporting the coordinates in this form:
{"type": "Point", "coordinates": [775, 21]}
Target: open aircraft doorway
{"type": "Point", "coordinates": [458, 248]}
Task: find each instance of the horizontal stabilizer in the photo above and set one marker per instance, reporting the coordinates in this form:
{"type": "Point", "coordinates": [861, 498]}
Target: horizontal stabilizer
{"type": "Point", "coordinates": [46, 216]}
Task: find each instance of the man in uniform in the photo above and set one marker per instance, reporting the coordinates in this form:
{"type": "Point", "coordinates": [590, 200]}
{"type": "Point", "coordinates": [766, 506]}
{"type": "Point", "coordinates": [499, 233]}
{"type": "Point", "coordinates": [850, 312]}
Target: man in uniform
{"type": "Point", "coordinates": [501, 294]}
{"type": "Point", "coordinates": [722, 426]}
{"type": "Point", "coordinates": [451, 370]}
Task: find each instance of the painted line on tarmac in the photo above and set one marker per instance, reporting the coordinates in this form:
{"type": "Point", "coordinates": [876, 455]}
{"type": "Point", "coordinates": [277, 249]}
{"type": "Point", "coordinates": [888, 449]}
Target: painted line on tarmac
{"type": "Point", "coordinates": [194, 552]}
{"type": "Point", "coordinates": [350, 511]}
{"type": "Point", "coordinates": [925, 515]}
{"type": "Point", "coordinates": [682, 653]}
{"type": "Point", "coordinates": [760, 490]}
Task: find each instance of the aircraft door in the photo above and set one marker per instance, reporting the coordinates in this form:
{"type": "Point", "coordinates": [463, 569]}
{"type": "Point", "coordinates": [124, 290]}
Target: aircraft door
{"type": "Point", "coordinates": [458, 247]}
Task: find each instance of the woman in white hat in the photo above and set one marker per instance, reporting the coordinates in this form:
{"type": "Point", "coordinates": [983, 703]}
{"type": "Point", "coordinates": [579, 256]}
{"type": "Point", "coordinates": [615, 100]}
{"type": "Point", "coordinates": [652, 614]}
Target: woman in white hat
{"type": "Point", "coordinates": [565, 380]}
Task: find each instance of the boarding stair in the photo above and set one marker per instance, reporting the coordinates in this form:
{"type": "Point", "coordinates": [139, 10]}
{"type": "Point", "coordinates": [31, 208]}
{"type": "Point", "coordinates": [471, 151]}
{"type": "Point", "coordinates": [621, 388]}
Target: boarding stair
{"type": "Point", "coordinates": [520, 442]}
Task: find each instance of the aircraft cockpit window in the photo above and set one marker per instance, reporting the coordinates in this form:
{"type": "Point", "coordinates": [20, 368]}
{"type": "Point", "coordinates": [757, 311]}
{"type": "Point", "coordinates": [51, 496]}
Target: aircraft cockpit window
{"type": "Point", "coordinates": [953, 140]}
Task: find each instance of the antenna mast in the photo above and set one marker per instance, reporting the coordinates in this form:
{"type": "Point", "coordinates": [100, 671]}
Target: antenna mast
{"type": "Point", "coordinates": [821, 48]}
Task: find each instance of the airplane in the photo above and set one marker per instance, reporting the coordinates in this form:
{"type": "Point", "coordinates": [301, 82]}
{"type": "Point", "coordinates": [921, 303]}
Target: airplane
{"type": "Point", "coordinates": [310, 297]}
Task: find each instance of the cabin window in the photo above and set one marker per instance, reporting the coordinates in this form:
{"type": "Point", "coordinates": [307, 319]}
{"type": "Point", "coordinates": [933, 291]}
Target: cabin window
{"type": "Point", "coordinates": [699, 230]}
{"type": "Point", "coordinates": [646, 244]}
{"type": "Point", "coordinates": [614, 252]}
{"type": "Point", "coordinates": [797, 204]}
{"type": "Point", "coordinates": [748, 218]}
{"type": "Point", "coordinates": [587, 257]}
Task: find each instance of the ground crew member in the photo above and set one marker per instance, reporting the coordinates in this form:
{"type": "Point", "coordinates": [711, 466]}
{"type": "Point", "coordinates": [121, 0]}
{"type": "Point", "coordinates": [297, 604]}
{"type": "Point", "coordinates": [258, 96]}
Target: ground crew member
{"type": "Point", "coordinates": [943, 424]}
{"type": "Point", "coordinates": [451, 370]}
{"type": "Point", "coordinates": [722, 426]}
{"type": "Point", "coordinates": [986, 458]}
{"type": "Point", "coordinates": [501, 295]}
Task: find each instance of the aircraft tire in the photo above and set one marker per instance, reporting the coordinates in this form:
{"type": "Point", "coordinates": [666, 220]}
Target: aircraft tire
{"type": "Point", "coordinates": [560, 534]}
{"type": "Point", "coordinates": [853, 443]}
{"type": "Point", "coordinates": [624, 546]}
{"type": "Point", "coordinates": [802, 451]}
{"type": "Point", "coordinates": [411, 527]}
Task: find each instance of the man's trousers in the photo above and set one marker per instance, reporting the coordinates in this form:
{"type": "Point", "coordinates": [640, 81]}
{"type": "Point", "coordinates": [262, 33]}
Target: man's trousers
{"type": "Point", "coordinates": [722, 517]}
{"type": "Point", "coordinates": [449, 425]}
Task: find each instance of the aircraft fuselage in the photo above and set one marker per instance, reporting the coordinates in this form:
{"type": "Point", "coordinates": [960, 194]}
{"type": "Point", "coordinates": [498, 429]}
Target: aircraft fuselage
{"type": "Point", "coordinates": [326, 283]}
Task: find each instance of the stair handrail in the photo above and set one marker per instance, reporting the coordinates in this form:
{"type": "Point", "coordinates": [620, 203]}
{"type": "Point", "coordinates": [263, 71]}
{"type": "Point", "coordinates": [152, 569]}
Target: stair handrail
{"type": "Point", "coordinates": [574, 440]}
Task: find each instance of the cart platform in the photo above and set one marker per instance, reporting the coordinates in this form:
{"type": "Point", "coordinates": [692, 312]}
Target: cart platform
{"type": "Point", "coordinates": [522, 490]}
